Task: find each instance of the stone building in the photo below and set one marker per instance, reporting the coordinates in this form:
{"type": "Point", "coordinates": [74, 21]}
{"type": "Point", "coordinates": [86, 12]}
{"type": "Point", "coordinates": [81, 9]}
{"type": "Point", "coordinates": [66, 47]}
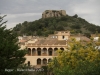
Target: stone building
{"type": "Point", "coordinates": [42, 49]}
{"type": "Point", "coordinates": [53, 13]}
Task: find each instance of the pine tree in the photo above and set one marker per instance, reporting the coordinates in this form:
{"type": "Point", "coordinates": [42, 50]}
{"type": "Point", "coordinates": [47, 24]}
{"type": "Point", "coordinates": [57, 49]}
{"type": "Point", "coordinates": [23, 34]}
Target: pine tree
{"type": "Point", "coordinates": [10, 55]}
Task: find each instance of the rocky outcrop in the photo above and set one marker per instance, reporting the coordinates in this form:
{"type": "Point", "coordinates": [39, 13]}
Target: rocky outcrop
{"type": "Point", "coordinates": [53, 13]}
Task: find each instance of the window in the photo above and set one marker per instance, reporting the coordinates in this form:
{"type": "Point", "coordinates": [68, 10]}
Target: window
{"type": "Point", "coordinates": [28, 63]}
{"type": "Point", "coordinates": [63, 37]}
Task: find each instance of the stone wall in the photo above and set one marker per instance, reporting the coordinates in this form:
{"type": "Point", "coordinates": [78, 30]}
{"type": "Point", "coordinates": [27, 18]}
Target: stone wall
{"type": "Point", "coordinates": [53, 13]}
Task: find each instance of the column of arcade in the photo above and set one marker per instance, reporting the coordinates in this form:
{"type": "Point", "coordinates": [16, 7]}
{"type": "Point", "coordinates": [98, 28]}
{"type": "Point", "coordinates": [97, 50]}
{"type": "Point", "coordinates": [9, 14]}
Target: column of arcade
{"type": "Point", "coordinates": [42, 52]}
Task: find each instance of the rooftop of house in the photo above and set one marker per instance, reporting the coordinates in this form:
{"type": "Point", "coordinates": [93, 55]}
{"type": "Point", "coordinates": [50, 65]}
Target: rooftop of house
{"type": "Point", "coordinates": [80, 38]}
{"type": "Point", "coordinates": [95, 35]}
{"type": "Point", "coordinates": [52, 39]}
{"type": "Point", "coordinates": [49, 42]}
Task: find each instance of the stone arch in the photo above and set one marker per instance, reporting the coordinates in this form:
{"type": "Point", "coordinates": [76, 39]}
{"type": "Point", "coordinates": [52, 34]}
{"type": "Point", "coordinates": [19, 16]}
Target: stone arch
{"type": "Point", "coordinates": [44, 51]}
{"type": "Point", "coordinates": [62, 49]}
{"type": "Point", "coordinates": [49, 60]}
{"type": "Point", "coordinates": [55, 51]}
{"type": "Point", "coordinates": [50, 51]}
{"type": "Point", "coordinates": [33, 51]}
{"type": "Point", "coordinates": [55, 48]}
{"type": "Point", "coordinates": [38, 61]}
{"type": "Point", "coordinates": [39, 51]}
{"type": "Point", "coordinates": [29, 51]}
{"type": "Point", "coordinates": [44, 61]}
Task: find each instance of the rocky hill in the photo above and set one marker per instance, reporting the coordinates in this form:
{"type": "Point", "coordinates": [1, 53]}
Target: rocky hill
{"type": "Point", "coordinates": [46, 26]}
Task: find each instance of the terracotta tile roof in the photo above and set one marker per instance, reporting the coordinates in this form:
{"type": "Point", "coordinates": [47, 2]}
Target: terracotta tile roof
{"type": "Point", "coordinates": [22, 40]}
{"type": "Point", "coordinates": [82, 38]}
{"type": "Point", "coordinates": [95, 35]}
{"type": "Point", "coordinates": [49, 42]}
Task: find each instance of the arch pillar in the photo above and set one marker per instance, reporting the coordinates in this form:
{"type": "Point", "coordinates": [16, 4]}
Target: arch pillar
{"type": "Point", "coordinates": [36, 51]}
{"type": "Point", "coordinates": [53, 52]}
{"type": "Point", "coordinates": [47, 52]}
{"type": "Point", "coordinates": [31, 51]}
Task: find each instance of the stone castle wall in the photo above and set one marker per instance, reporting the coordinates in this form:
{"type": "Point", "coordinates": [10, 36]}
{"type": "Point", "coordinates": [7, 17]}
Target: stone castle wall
{"type": "Point", "coordinates": [53, 13]}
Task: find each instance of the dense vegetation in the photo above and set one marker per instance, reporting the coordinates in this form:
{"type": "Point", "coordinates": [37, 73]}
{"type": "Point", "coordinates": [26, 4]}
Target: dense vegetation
{"type": "Point", "coordinates": [11, 57]}
{"type": "Point", "coordinates": [43, 27]}
{"type": "Point", "coordinates": [81, 58]}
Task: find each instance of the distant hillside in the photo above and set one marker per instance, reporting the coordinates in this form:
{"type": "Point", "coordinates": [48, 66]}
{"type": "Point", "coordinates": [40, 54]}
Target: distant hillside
{"type": "Point", "coordinates": [44, 27]}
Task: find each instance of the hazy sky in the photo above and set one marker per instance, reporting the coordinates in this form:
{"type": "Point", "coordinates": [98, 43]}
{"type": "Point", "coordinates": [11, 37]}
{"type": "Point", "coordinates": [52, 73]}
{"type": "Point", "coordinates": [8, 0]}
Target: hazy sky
{"type": "Point", "coordinates": [18, 11]}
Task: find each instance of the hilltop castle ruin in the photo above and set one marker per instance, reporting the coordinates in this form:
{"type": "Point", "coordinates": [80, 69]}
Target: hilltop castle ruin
{"type": "Point", "coordinates": [53, 13]}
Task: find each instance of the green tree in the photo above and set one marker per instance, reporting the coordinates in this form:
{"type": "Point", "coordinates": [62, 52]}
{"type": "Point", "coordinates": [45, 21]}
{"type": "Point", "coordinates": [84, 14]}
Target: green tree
{"type": "Point", "coordinates": [81, 58]}
{"type": "Point", "coordinates": [60, 28]}
{"type": "Point", "coordinates": [67, 22]}
{"type": "Point", "coordinates": [10, 55]}
{"type": "Point", "coordinates": [39, 33]}
{"type": "Point", "coordinates": [75, 16]}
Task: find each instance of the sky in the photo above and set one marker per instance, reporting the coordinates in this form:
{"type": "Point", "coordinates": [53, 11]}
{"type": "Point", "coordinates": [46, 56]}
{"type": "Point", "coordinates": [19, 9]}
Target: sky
{"type": "Point", "coordinates": [18, 11]}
